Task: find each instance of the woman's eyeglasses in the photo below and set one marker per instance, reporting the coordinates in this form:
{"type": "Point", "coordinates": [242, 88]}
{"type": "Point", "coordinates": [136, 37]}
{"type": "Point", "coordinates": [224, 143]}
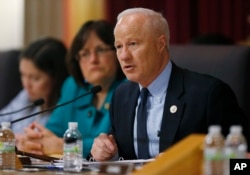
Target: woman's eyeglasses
{"type": "Point", "coordinates": [98, 51]}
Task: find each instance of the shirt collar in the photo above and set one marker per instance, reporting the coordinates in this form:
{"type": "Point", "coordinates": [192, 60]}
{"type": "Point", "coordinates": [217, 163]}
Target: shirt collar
{"type": "Point", "coordinates": [159, 86]}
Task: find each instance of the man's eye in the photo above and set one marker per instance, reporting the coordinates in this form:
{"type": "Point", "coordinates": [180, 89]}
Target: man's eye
{"type": "Point", "coordinates": [133, 43]}
{"type": "Point", "coordinates": [118, 46]}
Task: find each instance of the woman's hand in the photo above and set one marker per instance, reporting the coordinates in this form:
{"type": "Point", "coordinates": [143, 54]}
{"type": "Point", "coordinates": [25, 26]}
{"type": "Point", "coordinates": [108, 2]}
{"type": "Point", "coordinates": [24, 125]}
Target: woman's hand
{"type": "Point", "coordinates": [39, 140]}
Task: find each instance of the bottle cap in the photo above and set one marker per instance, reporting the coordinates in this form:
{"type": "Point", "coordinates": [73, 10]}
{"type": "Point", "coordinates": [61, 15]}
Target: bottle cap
{"type": "Point", "coordinates": [73, 125]}
{"type": "Point", "coordinates": [236, 129]}
{"type": "Point", "coordinates": [5, 124]}
{"type": "Point", "coordinates": [214, 129]}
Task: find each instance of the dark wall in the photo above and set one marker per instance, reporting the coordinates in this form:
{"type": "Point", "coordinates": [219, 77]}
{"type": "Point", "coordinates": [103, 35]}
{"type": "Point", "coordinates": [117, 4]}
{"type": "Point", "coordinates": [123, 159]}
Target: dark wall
{"type": "Point", "coordinates": [191, 18]}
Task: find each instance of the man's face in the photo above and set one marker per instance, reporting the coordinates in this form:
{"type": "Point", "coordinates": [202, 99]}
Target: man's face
{"type": "Point", "coordinates": [138, 50]}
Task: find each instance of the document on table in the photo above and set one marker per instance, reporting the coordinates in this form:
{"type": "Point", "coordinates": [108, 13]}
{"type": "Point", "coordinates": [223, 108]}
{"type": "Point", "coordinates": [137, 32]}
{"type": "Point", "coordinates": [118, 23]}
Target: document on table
{"type": "Point", "coordinates": [96, 165]}
{"type": "Point", "coordinates": [115, 167]}
{"type": "Point", "coordinates": [136, 161]}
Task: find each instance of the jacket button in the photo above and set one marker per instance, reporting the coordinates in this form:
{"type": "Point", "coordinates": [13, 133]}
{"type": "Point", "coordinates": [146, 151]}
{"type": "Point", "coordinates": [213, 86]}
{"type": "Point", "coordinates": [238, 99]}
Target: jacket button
{"type": "Point", "coordinates": [89, 113]}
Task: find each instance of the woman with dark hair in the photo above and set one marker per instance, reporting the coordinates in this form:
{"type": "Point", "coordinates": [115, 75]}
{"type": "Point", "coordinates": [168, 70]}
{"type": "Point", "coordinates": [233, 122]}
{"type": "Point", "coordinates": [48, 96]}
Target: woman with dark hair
{"type": "Point", "coordinates": [43, 70]}
{"type": "Point", "coordinates": [91, 61]}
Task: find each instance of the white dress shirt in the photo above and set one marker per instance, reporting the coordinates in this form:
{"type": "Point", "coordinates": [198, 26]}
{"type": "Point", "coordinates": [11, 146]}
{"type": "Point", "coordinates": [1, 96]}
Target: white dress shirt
{"type": "Point", "coordinates": [155, 106]}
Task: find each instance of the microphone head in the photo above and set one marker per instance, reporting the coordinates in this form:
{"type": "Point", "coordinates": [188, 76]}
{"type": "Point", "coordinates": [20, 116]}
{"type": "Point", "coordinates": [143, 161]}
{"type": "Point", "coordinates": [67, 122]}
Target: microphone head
{"type": "Point", "coordinates": [96, 89]}
{"type": "Point", "coordinates": [38, 102]}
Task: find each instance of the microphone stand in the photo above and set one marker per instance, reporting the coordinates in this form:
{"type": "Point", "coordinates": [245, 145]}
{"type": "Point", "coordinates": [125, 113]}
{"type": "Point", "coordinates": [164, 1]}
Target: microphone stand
{"type": "Point", "coordinates": [45, 157]}
{"type": "Point", "coordinates": [93, 90]}
{"type": "Point", "coordinates": [35, 103]}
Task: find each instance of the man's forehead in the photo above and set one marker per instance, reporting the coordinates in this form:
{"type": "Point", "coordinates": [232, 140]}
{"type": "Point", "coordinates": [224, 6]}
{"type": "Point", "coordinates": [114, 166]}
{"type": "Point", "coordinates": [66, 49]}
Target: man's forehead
{"type": "Point", "coordinates": [130, 22]}
{"type": "Point", "coordinates": [131, 18]}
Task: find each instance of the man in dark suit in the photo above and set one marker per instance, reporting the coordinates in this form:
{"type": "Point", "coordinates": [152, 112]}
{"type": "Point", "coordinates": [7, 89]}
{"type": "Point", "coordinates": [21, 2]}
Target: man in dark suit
{"type": "Point", "coordinates": [178, 102]}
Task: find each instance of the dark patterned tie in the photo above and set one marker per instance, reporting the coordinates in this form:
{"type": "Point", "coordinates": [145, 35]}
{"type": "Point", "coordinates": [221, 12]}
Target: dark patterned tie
{"type": "Point", "coordinates": [142, 136]}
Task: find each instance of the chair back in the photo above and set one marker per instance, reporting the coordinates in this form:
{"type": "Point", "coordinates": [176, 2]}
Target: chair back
{"type": "Point", "coordinates": [10, 82]}
{"type": "Point", "coordinates": [230, 63]}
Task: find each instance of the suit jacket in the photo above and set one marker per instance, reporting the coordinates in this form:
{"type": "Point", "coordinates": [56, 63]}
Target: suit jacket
{"type": "Point", "coordinates": [201, 101]}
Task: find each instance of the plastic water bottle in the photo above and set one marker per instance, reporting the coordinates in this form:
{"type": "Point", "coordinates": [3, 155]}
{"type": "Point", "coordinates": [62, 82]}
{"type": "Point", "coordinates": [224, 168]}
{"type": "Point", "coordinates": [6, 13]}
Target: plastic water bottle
{"type": "Point", "coordinates": [213, 152]}
{"type": "Point", "coordinates": [72, 150]}
{"type": "Point", "coordinates": [235, 146]}
{"type": "Point", "coordinates": [7, 147]}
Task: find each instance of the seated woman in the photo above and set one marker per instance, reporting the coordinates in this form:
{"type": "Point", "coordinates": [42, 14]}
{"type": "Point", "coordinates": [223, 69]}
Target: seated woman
{"type": "Point", "coordinates": [92, 61]}
{"type": "Point", "coordinates": [43, 71]}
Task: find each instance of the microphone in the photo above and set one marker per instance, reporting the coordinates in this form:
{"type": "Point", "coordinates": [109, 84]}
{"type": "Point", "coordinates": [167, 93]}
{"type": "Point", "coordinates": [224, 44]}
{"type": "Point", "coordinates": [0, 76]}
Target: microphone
{"type": "Point", "coordinates": [93, 90]}
{"type": "Point", "coordinates": [35, 103]}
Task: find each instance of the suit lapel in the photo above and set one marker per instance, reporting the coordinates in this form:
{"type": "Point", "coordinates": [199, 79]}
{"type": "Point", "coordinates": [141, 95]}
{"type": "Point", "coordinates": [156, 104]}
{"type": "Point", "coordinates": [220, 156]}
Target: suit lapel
{"type": "Point", "coordinates": [129, 113]}
{"type": "Point", "coordinates": [173, 109]}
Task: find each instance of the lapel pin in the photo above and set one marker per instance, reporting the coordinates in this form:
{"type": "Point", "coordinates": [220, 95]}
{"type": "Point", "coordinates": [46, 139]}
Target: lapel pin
{"type": "Point", "coordinates": [106, 106]}
{"type": "Point", "coordinates": [173, 109]}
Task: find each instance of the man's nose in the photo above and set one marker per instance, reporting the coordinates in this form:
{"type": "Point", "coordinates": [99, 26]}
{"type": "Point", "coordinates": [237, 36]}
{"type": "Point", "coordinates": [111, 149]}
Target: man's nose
{"type": "Point", "coordinates": [123, 54]}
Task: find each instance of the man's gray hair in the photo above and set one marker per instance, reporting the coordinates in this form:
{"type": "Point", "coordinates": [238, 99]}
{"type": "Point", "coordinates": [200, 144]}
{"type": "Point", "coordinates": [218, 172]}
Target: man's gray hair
{"type": "Point", "coordinates": [157, 21]}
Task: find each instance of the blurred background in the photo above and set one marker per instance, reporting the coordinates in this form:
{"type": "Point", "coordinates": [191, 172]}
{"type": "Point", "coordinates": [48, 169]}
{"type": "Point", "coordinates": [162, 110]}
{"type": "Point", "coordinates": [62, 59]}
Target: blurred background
{"type": "Point", "coordinates": [25, 20]}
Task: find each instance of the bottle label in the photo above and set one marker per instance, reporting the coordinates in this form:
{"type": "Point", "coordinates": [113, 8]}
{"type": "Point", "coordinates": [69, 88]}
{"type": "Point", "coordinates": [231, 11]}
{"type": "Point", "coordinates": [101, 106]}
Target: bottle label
{"type": "Point", "coordinates": [73, 148]}
{"type": "Point", "coordinates": [233, 153]}
{"type": "Point", "coordinates": [213, 154]}
{"type": "Point", "coordinates": [7, 147]}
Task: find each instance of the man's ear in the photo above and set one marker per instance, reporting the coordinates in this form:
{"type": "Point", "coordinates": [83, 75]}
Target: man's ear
{"type": "Point", "coordinates": [162, 42]}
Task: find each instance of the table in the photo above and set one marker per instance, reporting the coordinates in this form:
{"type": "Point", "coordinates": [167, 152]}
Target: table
{"type": "Point", "coordinates": [24, 171]}
{"type": "Point", "coordinates": [43, 172]}
{"type": "Point", "coordinates": [89, 168]}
